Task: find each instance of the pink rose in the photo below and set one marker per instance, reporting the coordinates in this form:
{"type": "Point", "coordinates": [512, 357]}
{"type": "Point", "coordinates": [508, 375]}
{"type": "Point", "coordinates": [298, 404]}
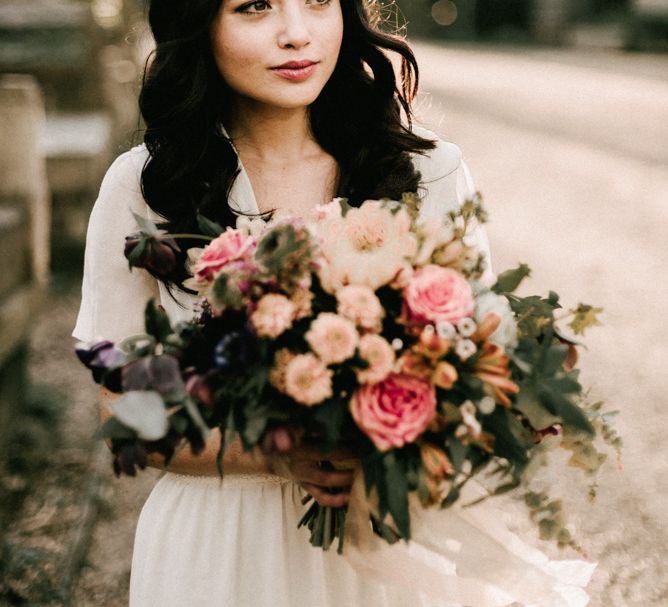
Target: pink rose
{"type": "Point", "coordinates": [229, 246]}
{"type": "Point", "coordinates": [396, 411]}
{"type": "Point", "coordinates": [435, 294]}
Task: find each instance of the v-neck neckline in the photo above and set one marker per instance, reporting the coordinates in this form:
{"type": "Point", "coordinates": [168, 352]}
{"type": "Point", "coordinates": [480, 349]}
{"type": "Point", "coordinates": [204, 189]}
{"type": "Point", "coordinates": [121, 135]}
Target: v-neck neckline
{"type": "Point", "coordinates": [242, 182]}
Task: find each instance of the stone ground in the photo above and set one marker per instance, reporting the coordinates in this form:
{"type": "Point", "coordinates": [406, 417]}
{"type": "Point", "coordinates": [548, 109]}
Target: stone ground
{"type": "Point", "coordinates": [576, 195]}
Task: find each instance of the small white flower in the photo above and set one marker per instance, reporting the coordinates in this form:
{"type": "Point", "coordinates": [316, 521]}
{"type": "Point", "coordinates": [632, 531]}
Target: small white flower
{"type": "Point", "coordinates": [445, 330]}
{"type": "Point", "coordinates": [465, 348]}
{"type": "Point", "coordinates": [428, 330]}
{"type": "Point", "coordinates": [486, 405]}
{"type": "Point", "coordinates": [468, 411]}
{"type": "Point", "coordinates": [397, 344]}
{"type": "Point", "coordinates": [466, 327]}
{"type": "Point", "coordinates": [506, 334]}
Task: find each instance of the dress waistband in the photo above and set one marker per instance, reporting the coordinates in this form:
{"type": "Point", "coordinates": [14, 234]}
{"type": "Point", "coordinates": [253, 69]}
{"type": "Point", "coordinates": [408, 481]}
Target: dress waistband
{"type": "Point", "coordinates": [227, 480]}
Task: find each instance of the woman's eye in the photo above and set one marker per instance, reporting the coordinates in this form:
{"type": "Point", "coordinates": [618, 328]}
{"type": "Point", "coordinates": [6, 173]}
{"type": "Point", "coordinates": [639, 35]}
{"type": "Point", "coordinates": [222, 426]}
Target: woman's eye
{"type": "Point", "coordinates": [259, 6]}
{"type": "Point", "coordinates": [318, 2]}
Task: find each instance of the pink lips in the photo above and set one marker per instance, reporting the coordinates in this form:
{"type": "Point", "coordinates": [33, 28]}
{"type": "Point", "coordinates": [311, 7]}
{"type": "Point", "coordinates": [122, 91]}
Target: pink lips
{"type": "Point", "coordinates": [295, 70]}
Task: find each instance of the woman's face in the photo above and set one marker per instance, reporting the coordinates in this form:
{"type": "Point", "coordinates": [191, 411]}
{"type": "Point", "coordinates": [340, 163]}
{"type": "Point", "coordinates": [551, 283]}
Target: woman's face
{"type": "Point", "coordinates": [254, 40]}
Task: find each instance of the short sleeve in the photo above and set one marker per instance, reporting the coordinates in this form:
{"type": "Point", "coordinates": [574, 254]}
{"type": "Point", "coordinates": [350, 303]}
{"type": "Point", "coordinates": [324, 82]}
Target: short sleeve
{"type": "Point", "coordinates": [445, 184]}
{"type": "Point", "coordinates": [113, 298]}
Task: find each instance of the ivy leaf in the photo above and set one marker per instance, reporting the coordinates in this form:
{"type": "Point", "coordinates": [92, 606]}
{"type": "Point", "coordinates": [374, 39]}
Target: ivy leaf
{"type": "Point", "coordinates": [208, 227]}
{"type": "Point", "coordinates": [509, 280]}
{"type": "Point", "coordinates": [585, 317]}
{"type": "Point", "coordinates": [144, 412]}
{"type": "Point", "coordinates": [330, 417]}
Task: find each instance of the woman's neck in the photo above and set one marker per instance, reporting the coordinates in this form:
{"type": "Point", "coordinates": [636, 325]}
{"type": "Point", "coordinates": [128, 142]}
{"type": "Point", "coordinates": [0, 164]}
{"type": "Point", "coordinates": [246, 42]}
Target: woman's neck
{"type": "Point", "coordinates": [272, 135]}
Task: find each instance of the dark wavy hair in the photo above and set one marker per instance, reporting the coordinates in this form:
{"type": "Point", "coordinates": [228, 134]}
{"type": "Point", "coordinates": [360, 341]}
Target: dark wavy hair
{"type": "Point", "coordinates": [356, 118]}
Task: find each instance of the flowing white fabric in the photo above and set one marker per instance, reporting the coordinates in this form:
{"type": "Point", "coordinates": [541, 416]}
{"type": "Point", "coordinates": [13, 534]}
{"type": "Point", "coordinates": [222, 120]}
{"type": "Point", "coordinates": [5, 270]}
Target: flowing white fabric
{"type": "Point", "coordinates": [203, 542]}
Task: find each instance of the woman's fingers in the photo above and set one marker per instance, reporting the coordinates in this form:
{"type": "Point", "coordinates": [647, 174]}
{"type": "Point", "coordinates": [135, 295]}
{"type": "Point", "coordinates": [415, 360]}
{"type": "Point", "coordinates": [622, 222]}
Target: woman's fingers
{"type": "Point", "coordinates": [307, 471]}
{"type": "Point", "coordinates": [324, 498]}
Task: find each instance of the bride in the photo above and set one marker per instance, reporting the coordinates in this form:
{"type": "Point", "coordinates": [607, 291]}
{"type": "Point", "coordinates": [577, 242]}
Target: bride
{"type": "Point", "coordinates": [253, 107]}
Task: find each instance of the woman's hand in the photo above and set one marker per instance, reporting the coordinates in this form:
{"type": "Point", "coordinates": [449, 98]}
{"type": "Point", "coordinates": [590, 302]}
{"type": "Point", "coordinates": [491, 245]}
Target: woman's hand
{"type": "Point", "coordinates": [317, 473]}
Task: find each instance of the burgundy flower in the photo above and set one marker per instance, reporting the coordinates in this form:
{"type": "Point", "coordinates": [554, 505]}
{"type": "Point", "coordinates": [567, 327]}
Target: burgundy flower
{"type": "Point", "coordinates": [155, 254]}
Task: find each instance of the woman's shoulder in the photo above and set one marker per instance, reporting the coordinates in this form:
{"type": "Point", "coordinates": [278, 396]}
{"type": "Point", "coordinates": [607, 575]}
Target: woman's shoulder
{"type": "Point", "coordinates": [125, 171]}
{"type": "Point", "coordinates": [435, 164]}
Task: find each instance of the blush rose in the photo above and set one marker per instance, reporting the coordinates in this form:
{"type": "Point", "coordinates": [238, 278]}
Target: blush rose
{"type": "Point", "coordinates": [229, 246]}
{"type": "Point", "coordinates": [436, 294]}
{"type": "Point", "coordinates": [396, 411]}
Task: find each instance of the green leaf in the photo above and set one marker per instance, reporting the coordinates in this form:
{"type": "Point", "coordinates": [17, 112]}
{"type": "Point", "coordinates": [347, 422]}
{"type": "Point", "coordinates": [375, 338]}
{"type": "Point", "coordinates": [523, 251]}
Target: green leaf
{"type": "Point", "coordinates": [562, 406]}
{"type": "Point", "coordinates": [196, 417]}
{"type": "Point", "coordinates": [532, 408]}
{"type": "Point", "coordinates": [509, 280]}
{"type": "Point", "coordinates": [512, 440]}
{"type": "Point", "coordinates": [585, 317]}
{"type": "Point", "coordinates": [345, 207]}
{"type": "Point", "coordinates": [457, 452]}
{"type": "Point", "coordinates": [208, 227]}
{"type": "Point", "coordinates": [330, 417]}
{"type": "Point", "coordinates": [157, 322]}
{"type": "Point", "coordinates": [397, 493]}
{"type": "Point", "coordinates": [143, 411]}
{"type": "Point", "coordinates": [113, 428]}
{"type": "Point", "coordinates": [451, 497]}
{"type": "Point", "coordinates": [138, 252]}
{"type": "Point", "coordinates": [147, 226]}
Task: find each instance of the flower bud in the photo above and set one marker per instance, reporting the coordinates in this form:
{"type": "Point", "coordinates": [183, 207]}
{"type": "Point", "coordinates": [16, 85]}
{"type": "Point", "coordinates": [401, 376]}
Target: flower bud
{"type": "Point", "coordinates": [156, 255]}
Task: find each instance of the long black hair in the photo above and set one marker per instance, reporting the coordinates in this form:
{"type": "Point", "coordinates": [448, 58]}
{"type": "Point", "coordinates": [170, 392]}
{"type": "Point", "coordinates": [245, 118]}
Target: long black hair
{"type": "Point", "coordinates": [356, 118]}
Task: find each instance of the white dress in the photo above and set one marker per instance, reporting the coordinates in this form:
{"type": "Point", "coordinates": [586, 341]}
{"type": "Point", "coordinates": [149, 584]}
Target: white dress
{"type": "Point", "coordinates": [203, 542]}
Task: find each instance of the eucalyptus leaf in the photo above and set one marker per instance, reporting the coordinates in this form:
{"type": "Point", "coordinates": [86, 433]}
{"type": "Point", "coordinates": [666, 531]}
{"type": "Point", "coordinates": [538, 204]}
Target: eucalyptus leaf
{"type": "Point", "coordinates": [144, 412]}
{"type": "Point", "coordinates": [208, 227]}
{"type": "Point", "coordinates": [113, 428]}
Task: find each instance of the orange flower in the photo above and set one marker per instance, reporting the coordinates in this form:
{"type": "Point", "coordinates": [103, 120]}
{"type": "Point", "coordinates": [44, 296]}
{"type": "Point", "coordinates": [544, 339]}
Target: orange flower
{"type": "Point", "coordinates": [492, 369]}
{"type": "Point", "coordinates": [445, 375]}
{"type": "Point", "coordinates": [486, 327]}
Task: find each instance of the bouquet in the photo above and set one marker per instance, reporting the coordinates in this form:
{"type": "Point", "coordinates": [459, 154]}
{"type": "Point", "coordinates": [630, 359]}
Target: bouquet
{"type": "Point", "coordinates": [365, 327]}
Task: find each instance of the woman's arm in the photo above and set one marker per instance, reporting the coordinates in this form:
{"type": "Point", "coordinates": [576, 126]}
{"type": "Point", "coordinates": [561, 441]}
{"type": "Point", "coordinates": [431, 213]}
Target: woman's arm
{"type": "Point", "coordinates": [300, 465]}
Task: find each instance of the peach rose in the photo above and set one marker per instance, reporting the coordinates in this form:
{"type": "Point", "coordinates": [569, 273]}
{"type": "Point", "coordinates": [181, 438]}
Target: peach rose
{"type": "Point", "coordinates": [396, 411]}
{"type": "Point", "coordinates": [332, 337]}
{"type": "Point", "coordinates": [437, 294]}
{"type": "Point", "coordinates": [229, 246]}
{"type": "Point", "coordinates": [273, 315]}
{"type": "Point", "coordinates": [308, 380]}
{"type": "Point", "coordinates": [375, 350]}
{"type": "Point", "coordinates": [360, 304]}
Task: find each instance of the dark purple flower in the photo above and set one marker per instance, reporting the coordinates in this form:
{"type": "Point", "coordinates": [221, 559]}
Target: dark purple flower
{"type": "Point", "coordinates": [155, 254]}
{"type": "Point", "coordinates": [99, 357]}
{"type": "Point", "coordinates": [234, 351]}
{"type": "Point", "coordinates": [202, 389]}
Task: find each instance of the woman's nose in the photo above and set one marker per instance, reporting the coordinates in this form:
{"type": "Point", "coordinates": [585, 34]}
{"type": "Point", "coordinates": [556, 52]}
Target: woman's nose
{"type": "Point", "coordinates": [295, 32]}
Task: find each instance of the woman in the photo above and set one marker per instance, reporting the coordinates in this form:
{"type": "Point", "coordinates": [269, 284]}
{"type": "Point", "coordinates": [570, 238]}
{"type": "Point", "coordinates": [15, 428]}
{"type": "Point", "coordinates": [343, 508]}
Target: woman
{"type": "Point", "coordinates": [253, 107]}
